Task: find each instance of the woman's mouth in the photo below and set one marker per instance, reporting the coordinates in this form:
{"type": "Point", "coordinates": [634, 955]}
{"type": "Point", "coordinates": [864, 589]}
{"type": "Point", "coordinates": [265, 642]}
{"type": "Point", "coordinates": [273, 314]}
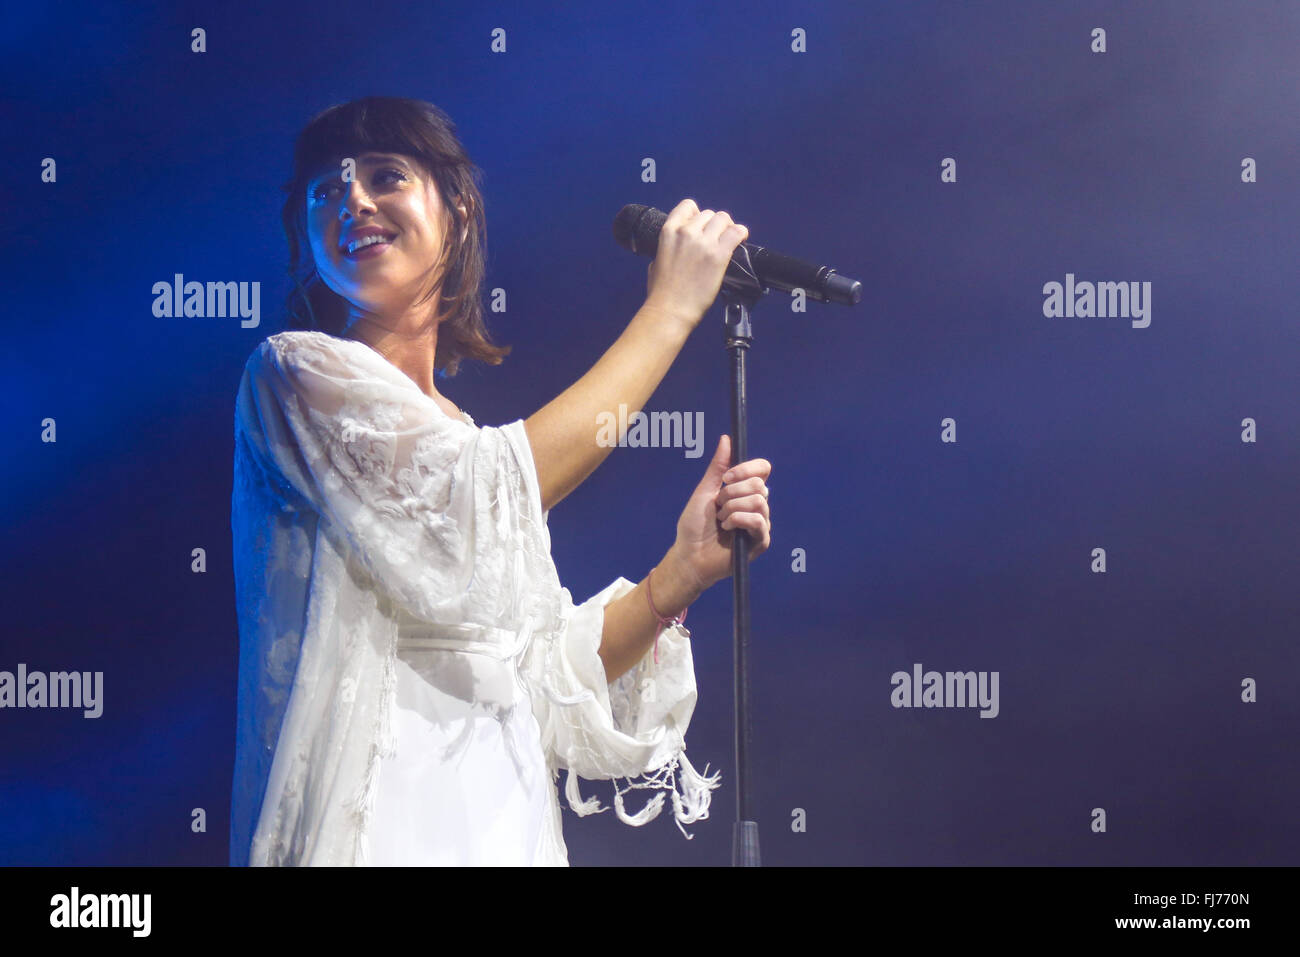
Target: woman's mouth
{"type": "Point", "coordinates": [368, 247]}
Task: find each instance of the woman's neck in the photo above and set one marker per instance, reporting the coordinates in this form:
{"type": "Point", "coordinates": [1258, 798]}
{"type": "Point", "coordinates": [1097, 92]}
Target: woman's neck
{"type": "Point", "coordinates": [410, 348]}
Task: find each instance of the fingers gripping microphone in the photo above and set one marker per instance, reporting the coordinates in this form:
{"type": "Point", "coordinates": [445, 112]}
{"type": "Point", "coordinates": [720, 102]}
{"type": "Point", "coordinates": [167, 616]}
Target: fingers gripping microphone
{"type": "Point", "coordinates": [636, 229]}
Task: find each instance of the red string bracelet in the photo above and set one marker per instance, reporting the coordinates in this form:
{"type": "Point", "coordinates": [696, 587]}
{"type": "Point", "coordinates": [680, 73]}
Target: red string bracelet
{"type": "Point", "coordinates": [665, 622]}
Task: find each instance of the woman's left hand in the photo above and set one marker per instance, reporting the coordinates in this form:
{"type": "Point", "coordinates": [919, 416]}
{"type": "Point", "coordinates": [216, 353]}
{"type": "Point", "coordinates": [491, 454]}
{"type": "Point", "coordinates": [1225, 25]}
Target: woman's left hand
{"type": "Point", "coordinates": [715, 511]}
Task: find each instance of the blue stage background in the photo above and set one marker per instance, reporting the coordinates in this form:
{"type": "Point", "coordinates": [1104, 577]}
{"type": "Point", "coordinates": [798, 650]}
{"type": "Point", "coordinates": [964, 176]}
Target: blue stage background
{"type": "Point", "coordinates": [1120, 690]}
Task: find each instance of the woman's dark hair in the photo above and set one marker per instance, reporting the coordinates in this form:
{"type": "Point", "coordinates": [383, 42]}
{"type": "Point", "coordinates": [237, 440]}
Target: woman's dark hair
{"type": "Point", "coordinates": [424, 132]}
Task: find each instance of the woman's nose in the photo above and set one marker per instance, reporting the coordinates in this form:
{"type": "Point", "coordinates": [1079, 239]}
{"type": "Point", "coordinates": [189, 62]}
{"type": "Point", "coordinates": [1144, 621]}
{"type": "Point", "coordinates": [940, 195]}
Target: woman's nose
{"type": "Point", "coordinates": [355, 200]}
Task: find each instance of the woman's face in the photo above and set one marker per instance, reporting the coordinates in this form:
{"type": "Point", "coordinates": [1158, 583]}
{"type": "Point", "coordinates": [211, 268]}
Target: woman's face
{"type": "Point", "coordinates": [393, 198]}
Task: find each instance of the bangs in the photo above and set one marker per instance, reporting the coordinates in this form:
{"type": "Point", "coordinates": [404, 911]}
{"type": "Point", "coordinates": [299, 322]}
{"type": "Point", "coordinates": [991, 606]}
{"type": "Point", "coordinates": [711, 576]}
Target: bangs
{"type": "Point", "coordinates": [354, 128]}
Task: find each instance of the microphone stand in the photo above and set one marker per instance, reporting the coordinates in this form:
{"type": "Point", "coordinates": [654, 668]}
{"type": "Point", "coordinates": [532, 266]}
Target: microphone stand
{"type": "Point", "coordinates": [741, 293]}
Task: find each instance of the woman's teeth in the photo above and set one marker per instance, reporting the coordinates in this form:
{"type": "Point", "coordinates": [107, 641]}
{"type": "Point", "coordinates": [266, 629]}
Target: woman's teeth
{"type": "Point", "coordinates": [363, 243]}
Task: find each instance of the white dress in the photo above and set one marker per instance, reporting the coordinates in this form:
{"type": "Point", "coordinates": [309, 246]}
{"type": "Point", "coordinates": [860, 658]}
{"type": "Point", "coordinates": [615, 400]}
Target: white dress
{"type": "Point", "coordinates": [460, 717]}
{"type": "Point", "coordinates": [412, 675]}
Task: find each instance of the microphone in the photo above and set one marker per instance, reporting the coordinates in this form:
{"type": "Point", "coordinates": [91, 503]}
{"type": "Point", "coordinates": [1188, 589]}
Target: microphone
{"type": "Point", "coordinates": [636, 229]}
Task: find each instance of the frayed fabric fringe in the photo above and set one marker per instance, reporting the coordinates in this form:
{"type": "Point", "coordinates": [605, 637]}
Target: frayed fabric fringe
{"type": "Point", "coordinates": [691, 793]}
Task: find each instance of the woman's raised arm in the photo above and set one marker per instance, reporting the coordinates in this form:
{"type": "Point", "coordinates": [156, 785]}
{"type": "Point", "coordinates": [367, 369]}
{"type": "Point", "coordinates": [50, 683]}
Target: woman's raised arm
{"type": "Point", "coordinates": [694, 249]}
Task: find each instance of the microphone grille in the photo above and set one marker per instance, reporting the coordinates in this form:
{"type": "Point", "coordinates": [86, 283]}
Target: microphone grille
{"type": "Point", "coordinates": [636, 228]}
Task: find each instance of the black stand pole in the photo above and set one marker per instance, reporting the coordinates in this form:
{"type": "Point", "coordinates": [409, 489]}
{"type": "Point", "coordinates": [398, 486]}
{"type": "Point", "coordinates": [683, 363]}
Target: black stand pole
{"type": "Point", "coordinates": [740, 295]}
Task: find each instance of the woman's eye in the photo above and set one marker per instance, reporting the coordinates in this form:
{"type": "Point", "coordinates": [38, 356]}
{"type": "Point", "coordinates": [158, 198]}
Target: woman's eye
{"type": "Point", "coordinates": [383, 176]}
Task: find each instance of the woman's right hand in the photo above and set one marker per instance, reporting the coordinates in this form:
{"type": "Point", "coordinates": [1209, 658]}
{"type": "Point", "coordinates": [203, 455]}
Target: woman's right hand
{"type": "Point", "coordinates": [695, 247]}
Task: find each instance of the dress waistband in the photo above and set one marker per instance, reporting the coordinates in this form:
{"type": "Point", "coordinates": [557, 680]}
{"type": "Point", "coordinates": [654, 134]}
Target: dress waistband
{"type": "Point", "coordinates": [499, 643]}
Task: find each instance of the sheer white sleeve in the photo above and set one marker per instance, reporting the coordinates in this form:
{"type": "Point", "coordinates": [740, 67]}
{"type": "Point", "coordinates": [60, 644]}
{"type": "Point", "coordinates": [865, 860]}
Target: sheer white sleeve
{"type": "Point", "coordinates": [427, 503]}
{"type": "Point", "coordinates": [633, 728]}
